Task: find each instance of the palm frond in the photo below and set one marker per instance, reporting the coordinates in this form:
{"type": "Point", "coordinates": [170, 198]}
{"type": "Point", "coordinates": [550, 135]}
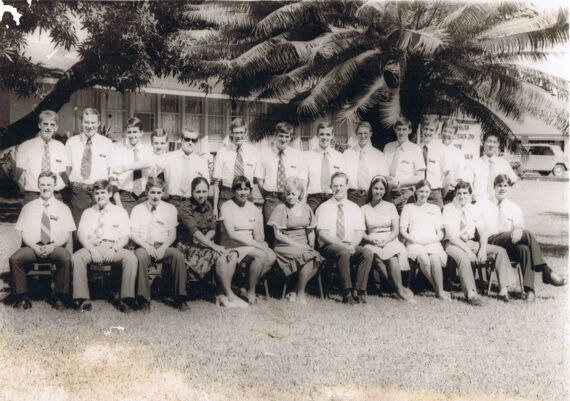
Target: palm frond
{"type": "Point", "coordinates": [425, 41]}
{"type": "Point", "coordinates": [284, 18]}
{"type": "Point", "coordinates": [390, 111]}
{"type": "Point", "coordinates": [371, 13]}
{"type": "Point", "coordinates": [227, 14]}
{"type": "Point", "coordinates": [354, 110]}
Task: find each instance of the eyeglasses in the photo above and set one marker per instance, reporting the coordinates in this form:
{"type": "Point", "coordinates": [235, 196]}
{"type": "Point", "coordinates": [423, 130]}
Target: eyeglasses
{"type": "Point", "coordinates": [193, 140]}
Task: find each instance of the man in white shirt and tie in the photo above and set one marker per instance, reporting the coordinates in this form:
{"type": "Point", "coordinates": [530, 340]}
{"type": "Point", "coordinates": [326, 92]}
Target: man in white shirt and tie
{"type": "Point", "coordinates": [340, 227]}
{"type": "Point", "coordinates": [181, 167]}
{"type": "Point", "coordinates": [90, 155]}
{"type": "Point", "coordinates": [455, 159]}
{"type": "Point", "coordinates": [276, 165]}
{"type": "Point", "coordinates": [237, 159]}
{"type": "Point", "coordinates": [435, 160]}
{"type": "Point", "coordinates": [42, 154]}
{"type": "Point", "coordinates": [46, 225]}
{"type": "Point", "coordinates": [130, 164]}
{"type": "Point", "coordinates": [322, 163]}
{"type": "Point", "coordinates": [405, 162]}
{"type": "Point", "coordinates": [363, 163]}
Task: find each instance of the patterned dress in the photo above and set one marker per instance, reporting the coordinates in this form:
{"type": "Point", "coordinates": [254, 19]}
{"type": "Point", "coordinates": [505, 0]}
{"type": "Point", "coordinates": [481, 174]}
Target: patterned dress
{"type": "Point", "coordinates": [289, 257]}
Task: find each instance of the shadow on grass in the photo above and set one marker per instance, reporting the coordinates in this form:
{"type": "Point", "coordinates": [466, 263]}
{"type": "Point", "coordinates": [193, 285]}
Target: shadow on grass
{"type": "Point", "coordinates": [554, 250]}
{"type": "Point", "coordinates": [556, 215]}
{"type": "Point", "coordinates": [9, 210]}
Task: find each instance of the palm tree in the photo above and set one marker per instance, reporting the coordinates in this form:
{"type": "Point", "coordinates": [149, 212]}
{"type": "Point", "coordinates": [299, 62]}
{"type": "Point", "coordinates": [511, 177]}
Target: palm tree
{"type": "Point", "coordinates": [357, 58]}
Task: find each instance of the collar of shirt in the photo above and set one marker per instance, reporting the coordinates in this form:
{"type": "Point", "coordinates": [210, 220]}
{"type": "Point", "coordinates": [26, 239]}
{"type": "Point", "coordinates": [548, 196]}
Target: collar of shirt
{"type": "Point", "coordinates": [48, 201]}
{"type": "Point", "coordinates": [200, 208]}
{"type": "Point", "coordinates": [84, 138]}
{"type": "Point", "coordinates": [106, 209]}
{"type": "Point", "coordinates": [184, 156]}
{"type": "Point", "coordinates": [341, 202]}
{"type": "Point", "coordinates": [321, 150]}
{"type": "Point", "coordinates": [286, 151]}
{"type": "Point", "coordinates": [485, 157]}
{"type": "Point", "coordinates": [403, 145]}
{"type": "Point", "coordinates": [138, 146]}
{"type": "Point", "coordinates": [365, 149]}
{"type": "Point", "coordinates": [149, 206]}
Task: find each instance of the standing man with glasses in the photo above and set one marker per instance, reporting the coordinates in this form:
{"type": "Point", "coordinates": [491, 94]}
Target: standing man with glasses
{"type": "Point", "coordinates": [435, 160]}
{"type": "Point", "coordinates": [322, 163]}
{"type": "Point", "coordinates": [42, 154]}
{"type": "Point", "coordinates": [90, 158]}
{"type": "Point", "coordinates": [130, 164]}
{"type": "Point", "coordinates": [237, 159]}
{"type": "Point", "coordinates": [362, 163]}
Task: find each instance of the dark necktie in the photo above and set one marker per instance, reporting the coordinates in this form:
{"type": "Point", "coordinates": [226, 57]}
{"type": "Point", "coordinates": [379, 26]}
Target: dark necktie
{"type": "Point", "coordinates": [281, 175]}
{"type": "Point", "coordinates": [45, 237]}
{"type": "Point", "coordinates": [425, 151]}
{"type": "Point", "coordinates": [238, 166]}
{"type": "Point", "coordinates": [86, 160]}
{"type": "Point", "coordinates": [137, 176]}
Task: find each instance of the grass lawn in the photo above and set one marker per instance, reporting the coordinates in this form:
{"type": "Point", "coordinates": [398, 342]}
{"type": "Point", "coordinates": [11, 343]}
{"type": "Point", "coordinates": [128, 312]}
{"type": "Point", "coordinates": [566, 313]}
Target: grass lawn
{"type": "Point", "coordinates": [385, 350]}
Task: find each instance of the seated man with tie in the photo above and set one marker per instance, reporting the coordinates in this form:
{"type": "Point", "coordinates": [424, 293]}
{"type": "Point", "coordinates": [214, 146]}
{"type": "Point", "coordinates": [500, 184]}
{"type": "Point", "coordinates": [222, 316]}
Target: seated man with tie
{"type": "Point", "coordinates": [275, 166]}
{"type": "Point", "coordinates": [41, 154]}
{"type": "Point", "coordinates": [340, 228]}
{"type": "Point", "coordinates": [488, 167]}
{"type": "Point", "coordinates": [153, 229]}
{"type": "Point", "coordinates": [322, 163]}
{"type": "Point", "coordinates": [237, 159]}
{"type": "Point", "coordinates": [89, 154]}
{"type": "Point", "coordinates": [435, 160]}
{"type": "Point", "coordinates": [406, 164]}
{"type": "Point", "coordinates": [130, 164]}
{"type": "Point", "coordinates": [46, 225]}
{"type": "Point", "coordinates": [104, 231]}
{"type": "Point", "coordinates": [362, 163]}
{"type": "Point", "coordinates": [181, 167]}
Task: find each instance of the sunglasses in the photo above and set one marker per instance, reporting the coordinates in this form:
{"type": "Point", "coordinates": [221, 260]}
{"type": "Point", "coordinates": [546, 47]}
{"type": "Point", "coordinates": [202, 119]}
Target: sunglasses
{"type": "Point", "coordinates": [193, 140]}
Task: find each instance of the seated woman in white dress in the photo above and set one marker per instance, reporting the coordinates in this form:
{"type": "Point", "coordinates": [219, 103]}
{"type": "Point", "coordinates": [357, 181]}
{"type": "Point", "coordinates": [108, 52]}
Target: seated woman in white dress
{"type": "Point", "coordinates": [243, 232]}
{"type": "Point", "coordinates": [381, 237]}
{"type": "Point", "coordinates": [294, 226]}
{"type": "Point", "coordinates": [421, 227]}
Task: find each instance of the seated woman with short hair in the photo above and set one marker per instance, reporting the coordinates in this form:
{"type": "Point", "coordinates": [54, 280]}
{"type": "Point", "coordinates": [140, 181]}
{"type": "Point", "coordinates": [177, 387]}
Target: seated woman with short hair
{"type": "Point", "coordinates": [243, 231]}
{"type": "Point", "coordinates": [201, 252]}
{"type": "Point", "coordinates": [466, 244]}
{"type": "Point", "coordinates": [421, 227]}
{"type": "Point", "coordinates": [294, 226]}
{"type": "Point", "coordinates": [506, 228]}
{"type": "Point", "coordinates": [381, 237]}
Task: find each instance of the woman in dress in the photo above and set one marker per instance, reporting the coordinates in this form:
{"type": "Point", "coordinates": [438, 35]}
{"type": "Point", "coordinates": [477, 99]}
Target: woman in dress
{"type": "Point", "coordinates": [243, 231]}
{"type": "Point", "coordinates": [381, 237]}
{"type": "Point", "coordinates": [200, 250]}
{"type": "Point", "coordinates": [421, 227]}
{"type": "Point", "coordinates": [506, 228]}
{"type": "Point", "coordinates": [294, 227]}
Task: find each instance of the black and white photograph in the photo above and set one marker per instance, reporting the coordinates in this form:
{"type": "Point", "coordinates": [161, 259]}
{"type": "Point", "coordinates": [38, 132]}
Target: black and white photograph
{"type": "Point", "coordinates": [297, 200]}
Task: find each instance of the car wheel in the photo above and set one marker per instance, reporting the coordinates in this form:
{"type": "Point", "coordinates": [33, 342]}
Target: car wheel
{"type": "Point", "coordinates": [558, 170]}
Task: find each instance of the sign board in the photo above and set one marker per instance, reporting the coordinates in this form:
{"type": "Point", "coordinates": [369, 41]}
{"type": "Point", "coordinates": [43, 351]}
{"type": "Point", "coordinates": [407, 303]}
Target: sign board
{"type": "Point", "coordinates": [469, 139]}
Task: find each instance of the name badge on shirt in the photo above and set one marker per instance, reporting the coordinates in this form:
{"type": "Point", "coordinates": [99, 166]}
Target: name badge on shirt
{"type": "Point", "coordinates": [292, 166]}
{"type": "Point", "coordinates": [336, 167]}
{"type": "Point", "coordinates": [405, 162]}
{"type": "Point", "coordinates": [54, 218]}
{"type": "Point", "coordinates": [251, 220]}
{"type": "Point", "coordinates": [115, 226]}
{"type": "Point", "coordinates": [431, 213]}
{"type": "Point", "coordinates": [249, 165]}
{"type": "Point", "coordinates": [431, 161]}
{"type": "Point", "coordinates": [102, 155]}
{"type": "Point", "coordinates": [58, 161]}
{"type": "Point", "coordinates": [159, 222]}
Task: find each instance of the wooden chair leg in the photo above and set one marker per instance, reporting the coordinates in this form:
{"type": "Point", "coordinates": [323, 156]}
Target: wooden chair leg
{"type": "Point", "coordinates": [490, 273]}
{"type": "Point", "coordinates": [320, 281]}
{"type": "Point", "coordinates": [521, 280]}
{"type": "Point", "coordinates": [266, 287]}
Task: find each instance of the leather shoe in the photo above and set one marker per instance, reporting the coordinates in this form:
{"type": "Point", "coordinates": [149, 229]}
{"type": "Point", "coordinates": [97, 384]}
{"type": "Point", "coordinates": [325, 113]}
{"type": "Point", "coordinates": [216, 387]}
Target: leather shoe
{"type": "Point", "coordinates": [183, 306]}
{"type": "Point", "coordinates": [23, 303]}
{"type": "Point", "coordinates": [555, 280]}
{"type": "Point", "coordinates": [348, 299]}
{"type": "Point", "coordinates": [530, 297]}
{"type": "Point", "coordinates": [58, 305]}
{"type": "Point", "coordinates": [475, 301]}
{"type": "Point", "coordinates": [360, 299]}
{"type": "Point", "coordinates": [144, 306]}
{"type": "Point", "coordinates": [123, 306]}
{"type": "Point", "coordinates": [82, 305]}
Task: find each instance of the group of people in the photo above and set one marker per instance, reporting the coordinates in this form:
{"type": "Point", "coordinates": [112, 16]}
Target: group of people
{"type": "Point", "coordinates": [361, 210]}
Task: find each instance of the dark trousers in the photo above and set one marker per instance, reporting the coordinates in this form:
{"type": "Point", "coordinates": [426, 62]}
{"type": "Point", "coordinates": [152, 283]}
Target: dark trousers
{"type": "Point", "coordinates": [358, 196]}
{"type": "Point", "coordinates": [436, 198]}
{"type": "Point", "coordinates": [400, 197]}
{"type": "Point", "coordinates": [31, 195]}
{"type": "Point", "coordinates": [174, 259]}
{"type": "Point", "coordinates": [130, 200]}
{"type": "Point", "coordinates": [81, 199]}
{"type": "Point", "coordinates": [21, 263]}
{"type": "Point", "coordinates": [361, 258]}
{"type": "Point", "coordinates": [315, 200]}
{"type": "Point", "coordinates": [527, 252]}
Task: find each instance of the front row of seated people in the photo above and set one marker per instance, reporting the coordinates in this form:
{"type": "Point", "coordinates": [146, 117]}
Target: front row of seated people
{"type": "Point", "coordinates": [349, 236]}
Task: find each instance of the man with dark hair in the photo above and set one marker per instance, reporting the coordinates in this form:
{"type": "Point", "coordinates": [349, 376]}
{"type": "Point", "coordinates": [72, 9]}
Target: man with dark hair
{"type": "Point", "coordinates": [46, 225]}
{"type": "Point", "coordinates": [103, 231]}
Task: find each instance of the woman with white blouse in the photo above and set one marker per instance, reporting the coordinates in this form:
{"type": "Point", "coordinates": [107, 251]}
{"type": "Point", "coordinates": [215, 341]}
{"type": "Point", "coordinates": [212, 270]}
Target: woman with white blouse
{"type": "Point", "coordinates": [421, 227]}
{"type": "Point", "coordinates": [381, 237]}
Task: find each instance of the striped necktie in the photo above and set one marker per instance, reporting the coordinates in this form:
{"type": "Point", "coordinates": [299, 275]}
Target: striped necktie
{"type": "Point", "coordinates": [340, 222]}
{"type": "Point", "coordinates": [281, 175]}
{"type": "Point", "coordinates": [100, 229]}
{"type": "Point", "coordinates": [45, 237]}
{"type": "Point", "coordinates": [238, 166]}
{"type": "Point", "coordinates": [137, 175]}
{"type": "Point", "coordinates": [86, 160]}
{"type": "Point", "coordinates": [325, 173]}
{"type": "Point", "coordinates": [46, 162]}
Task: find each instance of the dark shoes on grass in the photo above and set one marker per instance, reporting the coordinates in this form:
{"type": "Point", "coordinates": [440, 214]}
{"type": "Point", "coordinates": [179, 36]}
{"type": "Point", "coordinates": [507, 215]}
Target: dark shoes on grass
{"type": "Point", "coordinates": [554, 279]}
{"type": "Point", "coordinates": [82, 305]}
{"type": "Point", "coordinates": [23, 303]}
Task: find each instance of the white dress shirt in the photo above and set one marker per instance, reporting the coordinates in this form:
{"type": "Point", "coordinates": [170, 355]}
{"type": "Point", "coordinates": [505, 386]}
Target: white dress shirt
{"type": "Point", "coordinates": [102, 149]}
{"type": "Point", "coordinates": [268, 165]}
{"type": "Point", "coordinates": [436, 167]}
{"type": "Point", "coordinates": [314, 160]}
{"type": "Point", "coordinates": [327, 214]}
{"type": "Point", "coordinates": [224, 164]}
{"type": "Point", "coordinates": [115, 221]}
{"type": "Point", "coordinates": [154, 226]}
{"type": "Point", "coordinates": [29, 157]}
{"type": "Point", "coordinates": [125, 155]}
{"type": "Point", "coordinates": [409, 160]}
{"type": "Point", "coordinates": [61, 220]}
{"type": "Point", "coordinates": [481, 179]}
{"type": "Point", "coordinates": [374, 160]}
{"type": "Point", "coordinates": [452, 215]}
{"type": "Point", "coordinates": [501, 217]}
{"type": "Point", "coordinates": [455, 160]}
{"type": "Point", "coordinates": [173, 163]}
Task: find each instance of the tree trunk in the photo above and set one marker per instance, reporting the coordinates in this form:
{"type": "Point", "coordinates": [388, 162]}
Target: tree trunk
{"type": "Point", "coordinates": [27, 127]}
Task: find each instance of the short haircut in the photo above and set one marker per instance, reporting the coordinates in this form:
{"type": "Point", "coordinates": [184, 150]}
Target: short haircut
{"type": "Point", "coordinates": [364, 124]}
{"type": "Point", "coordinates": [402, 121]}
{"type": "Point", "coordinates": [100, 185]}
{"type": "Point", "coordinates": [240, 181]}
{"type": "Point", "coordinates": [452, 124]}
{"type": "Point", "coordinates": [238, 123]}
{"type": "Point", "coordinates": [48, 115]}
{"type": "Point", "coordinates": [89, 111]}
{"type": "Point", "coordinates": [430, 121]}
{"type": "Point", "coordinates": [294, 183]}
{"type": "Point", "coordinates": [376, 180]}
{"type": "Point", "coordinates": [421, 184]}
{"type": "Point", "coordinates": [283, 128]}
{"type": "Point", "coordinates": [197, 181]}
{"type": "Point", "coordinates": [158, 133]}
{"type": "Point", "coordinates": [47, 174]}
{"type": "Point", "coordinates": [325, 124]}
{"type": "Point", "coordinates": [339, 174]}
{"type": "Point", "coordinates": [463, 185]}
{"type": "Point", "coordinates": [190, 130]}
{"type": "Point", "coordinates": [134, 122]}
{"type": "Point", "coordinates": [155, 182]}
{"type": "Point", "coordinates": [501, 179]}
{"type": "Point", "coordinates": [490, 134]}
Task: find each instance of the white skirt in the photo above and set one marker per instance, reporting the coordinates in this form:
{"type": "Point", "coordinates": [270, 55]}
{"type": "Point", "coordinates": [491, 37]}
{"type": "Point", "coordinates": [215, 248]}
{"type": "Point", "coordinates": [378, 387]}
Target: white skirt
{"type": "Point", "coordinates": [389, 250]}
{"type": "Point", "coordinates": [435, 248]}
